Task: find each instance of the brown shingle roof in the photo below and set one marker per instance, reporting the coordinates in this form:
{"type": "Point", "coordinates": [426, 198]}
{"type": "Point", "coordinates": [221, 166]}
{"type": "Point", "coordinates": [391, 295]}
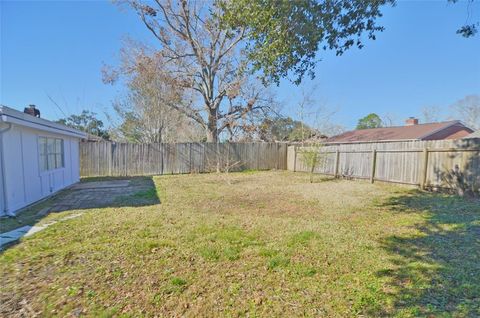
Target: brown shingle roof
{"type": "Point", "coordinates": [474, 135]}
{"type": "Point", "coordinates": [413, 132]}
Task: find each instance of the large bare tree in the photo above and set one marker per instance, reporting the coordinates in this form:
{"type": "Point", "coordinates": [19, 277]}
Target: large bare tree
{"type": "Point", "coordinates": [211, 47]}
{"type": "Point", "coordinates": [145, 110]}
{"type": "Point", "coordinates": [202, 56]}
{"type": "Point", "coordinates": [467, 110]}
{"type": "Point", "coordinates": [431, 114]}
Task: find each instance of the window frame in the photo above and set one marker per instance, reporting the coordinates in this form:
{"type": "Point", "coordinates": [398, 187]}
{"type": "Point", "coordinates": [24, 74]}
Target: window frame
{"type": "Point", "coordinates": [44, 165]}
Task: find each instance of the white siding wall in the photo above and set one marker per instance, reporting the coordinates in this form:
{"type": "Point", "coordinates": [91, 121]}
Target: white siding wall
{"type": "Point", "coordinates": [2, 206]}
{"type": "Point", "coordinates": [25, 182]}
{"type": "Point", "coordinates": [1, 190]}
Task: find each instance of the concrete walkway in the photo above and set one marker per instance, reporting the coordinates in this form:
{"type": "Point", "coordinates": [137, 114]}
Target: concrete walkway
{"type": "Point", "coordinates": [81, 196]}
{"type": "Point", "coordinates": [27, 230]}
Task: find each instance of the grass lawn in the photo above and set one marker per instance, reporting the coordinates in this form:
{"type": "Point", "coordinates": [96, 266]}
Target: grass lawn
{"type": "Point", "coordinates": [28, 215]}
{"type": "Point", "coordinates": [265, 244]}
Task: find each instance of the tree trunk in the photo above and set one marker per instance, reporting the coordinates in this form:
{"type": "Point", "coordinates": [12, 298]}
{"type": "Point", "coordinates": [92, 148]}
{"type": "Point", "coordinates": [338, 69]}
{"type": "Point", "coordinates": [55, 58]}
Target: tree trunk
{"type": "Point", "coordinates": [212, 133]}
{"type": "Point", "coordinates": [211, 136]}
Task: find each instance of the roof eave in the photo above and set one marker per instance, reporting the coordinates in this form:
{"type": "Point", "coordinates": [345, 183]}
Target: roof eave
{"type": "Point", "coordinates": [15, 117]}
{"type": "Point", "coordinates": [370, 141]}
{"type": "Point", "coordinates": [450, 124]}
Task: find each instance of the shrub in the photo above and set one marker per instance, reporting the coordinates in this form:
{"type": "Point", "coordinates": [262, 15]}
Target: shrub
{"type": "Point", "coordinates": [312, 157]}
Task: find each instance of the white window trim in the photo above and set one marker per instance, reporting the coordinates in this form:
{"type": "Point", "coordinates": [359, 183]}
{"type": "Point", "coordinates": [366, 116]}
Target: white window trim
{"type": "Point", "coordinates": [46, 172]}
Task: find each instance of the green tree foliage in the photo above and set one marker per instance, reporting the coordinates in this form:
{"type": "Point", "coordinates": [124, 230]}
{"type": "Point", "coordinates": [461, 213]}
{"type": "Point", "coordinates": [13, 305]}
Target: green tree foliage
{"type": "Point", "coordinates": [370, 121]}
{"type": "Point", "coordinates": [284, 36]}
{"type": "Point", "coordinates": [468, 29]}
{"type": "Point", "coordinates": [285, 129]}
{"type": "Point", "coordinates": [86, 121]}
{"type": "Point", "coordinates": [131, 128]}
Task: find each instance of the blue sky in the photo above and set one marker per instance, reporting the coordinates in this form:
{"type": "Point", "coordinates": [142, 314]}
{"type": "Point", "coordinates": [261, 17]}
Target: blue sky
{"type": "Point", "coordinates": [57, 49]}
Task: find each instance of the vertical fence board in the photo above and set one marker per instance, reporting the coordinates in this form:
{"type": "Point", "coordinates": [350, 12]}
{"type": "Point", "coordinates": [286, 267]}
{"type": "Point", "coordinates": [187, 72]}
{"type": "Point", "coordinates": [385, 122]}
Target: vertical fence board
{"type": "Point", "coordinates": [399, 162]}
{"type": "Point", "coordinates": [125, 159]}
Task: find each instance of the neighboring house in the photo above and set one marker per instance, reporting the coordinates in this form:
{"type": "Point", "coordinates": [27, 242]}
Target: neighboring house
{"type": "Point", "coordinates": [474, 135]}
{"type": "Point", "coordinates": [411, 131]}
{"type": "Point", "coordinates": [37, 158]}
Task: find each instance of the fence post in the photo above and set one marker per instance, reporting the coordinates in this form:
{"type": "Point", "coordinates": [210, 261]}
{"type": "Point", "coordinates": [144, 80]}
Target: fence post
{"type": "Point", "coordinates": [125, 157]}
{"type": "Point", "coordinates": [277, 156]}
{"type": "Point", "coordinates": [374, 165]}
{"type": "Point", "coordinates": [110, 159]}
{"type": "Point", "coordinates": [423, 180]}
{"type": "Point", "coordinates": [294, 158]}
{"type": "Point", "coordinates": [337, 163]}
{"type": "Point", "coordinates": [190, 159]}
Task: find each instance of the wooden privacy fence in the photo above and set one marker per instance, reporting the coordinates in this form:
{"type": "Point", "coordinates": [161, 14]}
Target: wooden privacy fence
{"type": "Point", "coordinates": [125, 159]}
{"type": "Point", "coordinates": [422, 163]}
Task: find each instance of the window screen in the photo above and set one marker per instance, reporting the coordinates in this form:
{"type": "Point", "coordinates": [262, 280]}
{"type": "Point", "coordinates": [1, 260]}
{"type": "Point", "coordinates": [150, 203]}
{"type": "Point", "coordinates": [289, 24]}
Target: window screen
{"type": "Point", "coordinates": [51, 153]}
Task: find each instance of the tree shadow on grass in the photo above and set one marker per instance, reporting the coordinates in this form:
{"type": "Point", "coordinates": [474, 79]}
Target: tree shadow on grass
{"type": "Point", "coordinates": [141, 191]}
{"type": "Point", "coordinates": [438, 268]}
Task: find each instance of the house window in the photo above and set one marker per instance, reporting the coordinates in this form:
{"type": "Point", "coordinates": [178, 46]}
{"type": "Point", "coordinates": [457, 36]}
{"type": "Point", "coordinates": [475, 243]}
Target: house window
{"type": "Point", "coordinates": [51, 153]}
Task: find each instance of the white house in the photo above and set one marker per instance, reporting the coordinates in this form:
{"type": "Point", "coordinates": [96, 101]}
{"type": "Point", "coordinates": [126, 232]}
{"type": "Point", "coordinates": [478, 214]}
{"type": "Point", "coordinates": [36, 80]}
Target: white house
{"type": "Point", "coordinates": [37, 158]}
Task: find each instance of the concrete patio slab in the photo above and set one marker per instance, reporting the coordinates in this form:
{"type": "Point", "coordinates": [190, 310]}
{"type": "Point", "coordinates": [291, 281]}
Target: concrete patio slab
{"type": "Point", "coordinates": [82, 196]}
{"type": "Point", "coordinates": [101, 184]}
{"type": "Point", "coordinates": [43, 212]}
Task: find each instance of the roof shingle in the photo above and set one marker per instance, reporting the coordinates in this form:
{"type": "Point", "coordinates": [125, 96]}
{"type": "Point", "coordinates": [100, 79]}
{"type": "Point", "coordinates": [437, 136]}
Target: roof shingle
{"type": "Point", "coordinates": [413, 132]}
